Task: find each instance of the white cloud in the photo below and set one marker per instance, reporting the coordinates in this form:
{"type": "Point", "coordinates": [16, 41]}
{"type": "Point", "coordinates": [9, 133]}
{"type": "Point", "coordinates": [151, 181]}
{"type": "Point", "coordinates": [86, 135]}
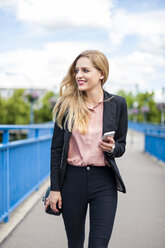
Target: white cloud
{"type": "Point", "coordinates": [45, 68]}
{"type": "Point", "coordinates": [52, 14]}
{"type": "Point", "coordinates": [154, 44]}
{"type": "Point", "coordinates": [40, 68]}
{"type": "Point", "coordinates": [145, 25]}
{"type": "Point", "coordinates": [159, 96]}
{"type": "Point", "coordinates": [136, 68]}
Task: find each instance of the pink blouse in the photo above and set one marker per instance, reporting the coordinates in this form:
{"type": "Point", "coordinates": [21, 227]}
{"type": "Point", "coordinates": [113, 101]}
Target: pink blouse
{"type": "Point", "coordinates": [83, 149]}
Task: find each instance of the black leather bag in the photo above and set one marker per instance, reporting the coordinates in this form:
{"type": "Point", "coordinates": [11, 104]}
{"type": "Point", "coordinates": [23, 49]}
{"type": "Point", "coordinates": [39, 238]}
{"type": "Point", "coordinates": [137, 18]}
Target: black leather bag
{"type": "Point", "coordinates": [49, 210]}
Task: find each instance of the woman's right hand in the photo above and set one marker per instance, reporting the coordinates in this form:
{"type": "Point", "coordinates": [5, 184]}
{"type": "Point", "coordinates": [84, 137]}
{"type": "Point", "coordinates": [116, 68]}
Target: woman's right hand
{"type": "Point", "coordinates": [53, 198]}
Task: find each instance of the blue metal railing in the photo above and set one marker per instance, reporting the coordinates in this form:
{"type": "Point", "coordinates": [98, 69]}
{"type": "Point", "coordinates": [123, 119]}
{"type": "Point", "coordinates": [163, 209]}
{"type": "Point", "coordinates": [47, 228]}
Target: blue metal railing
{"type": "Point", "coordinates": [154, 138]}
{"type": "Point", "coordinates": [147, 127]}
{"type": "Point", "coordinates": [155, 145]}
{"type": "Point", "coordinates": [24, 164]}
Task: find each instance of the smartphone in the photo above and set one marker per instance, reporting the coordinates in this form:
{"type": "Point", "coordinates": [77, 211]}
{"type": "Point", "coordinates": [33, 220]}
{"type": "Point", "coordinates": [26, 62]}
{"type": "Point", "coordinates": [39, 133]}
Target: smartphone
{"type": "Point", "coordinates": [108, 134]}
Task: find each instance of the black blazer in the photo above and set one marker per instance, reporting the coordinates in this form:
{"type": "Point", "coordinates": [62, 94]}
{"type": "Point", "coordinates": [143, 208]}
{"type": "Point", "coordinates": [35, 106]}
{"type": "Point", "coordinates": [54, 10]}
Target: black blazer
{"type": "Point", "coordinates": [114, 118]}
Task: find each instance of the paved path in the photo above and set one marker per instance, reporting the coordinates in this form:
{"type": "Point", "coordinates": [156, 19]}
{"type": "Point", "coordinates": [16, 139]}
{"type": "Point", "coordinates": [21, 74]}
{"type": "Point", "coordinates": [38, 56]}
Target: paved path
{"type": "Point", "coordinates": [140, 218]}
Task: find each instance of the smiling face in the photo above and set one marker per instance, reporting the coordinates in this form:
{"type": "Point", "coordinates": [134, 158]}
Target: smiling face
{"type": "Point", "coordinates": [87, 77]}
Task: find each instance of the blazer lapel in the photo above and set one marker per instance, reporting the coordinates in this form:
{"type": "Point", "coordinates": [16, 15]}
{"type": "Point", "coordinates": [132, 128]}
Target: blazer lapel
{"type": "Point", "coordinates": [109, 113]}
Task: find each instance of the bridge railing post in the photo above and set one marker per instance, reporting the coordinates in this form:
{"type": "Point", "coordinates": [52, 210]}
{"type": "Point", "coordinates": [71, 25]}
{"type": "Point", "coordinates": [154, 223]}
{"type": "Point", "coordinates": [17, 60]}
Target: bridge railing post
{"type": "Point", "coordinates": [6, 199]}
{"type": "Point", "coordinates": [38, 156]}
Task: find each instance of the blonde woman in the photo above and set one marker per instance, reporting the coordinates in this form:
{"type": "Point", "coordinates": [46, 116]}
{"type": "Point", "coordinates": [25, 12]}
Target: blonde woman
{"type": "Point", "coordinates": [83, 168]}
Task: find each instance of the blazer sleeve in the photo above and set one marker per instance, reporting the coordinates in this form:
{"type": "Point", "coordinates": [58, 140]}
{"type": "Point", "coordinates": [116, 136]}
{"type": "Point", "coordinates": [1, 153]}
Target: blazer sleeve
{"type": "Point", "coordinates": [121, 132]}
{"type": "Point", "coordinates": [56, 154]}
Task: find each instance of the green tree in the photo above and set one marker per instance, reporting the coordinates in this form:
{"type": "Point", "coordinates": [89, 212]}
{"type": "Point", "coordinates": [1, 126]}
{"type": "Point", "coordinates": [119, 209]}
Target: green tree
{"type": "Point", "coordinates": [130, 98]}
{"type": "Point", "coordinates": [146, 100]}
{"type": "Point", "coordinates": [17, 111]}
{"type": "Point", "coordinates": [2, 110]}
{"type": "Point", "coordinates": [44, 113]}
{"type": "Point", "coordinates": [146, 109]}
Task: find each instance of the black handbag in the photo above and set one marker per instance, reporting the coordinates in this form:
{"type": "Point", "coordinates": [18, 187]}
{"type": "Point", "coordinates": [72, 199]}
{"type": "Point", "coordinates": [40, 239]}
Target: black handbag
{"type": "Point", "coordinates": [49, 210]}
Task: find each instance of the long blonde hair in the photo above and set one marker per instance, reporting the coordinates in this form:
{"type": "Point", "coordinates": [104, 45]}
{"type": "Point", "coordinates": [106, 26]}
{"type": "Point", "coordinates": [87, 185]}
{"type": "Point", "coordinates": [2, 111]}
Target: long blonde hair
{"type": "Point", "coordinates": [71, 103]}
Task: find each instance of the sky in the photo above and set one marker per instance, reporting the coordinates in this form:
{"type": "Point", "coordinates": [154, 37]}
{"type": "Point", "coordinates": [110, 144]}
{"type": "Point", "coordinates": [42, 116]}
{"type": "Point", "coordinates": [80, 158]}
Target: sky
{"type": "Point", "coordinates": [39, 39]}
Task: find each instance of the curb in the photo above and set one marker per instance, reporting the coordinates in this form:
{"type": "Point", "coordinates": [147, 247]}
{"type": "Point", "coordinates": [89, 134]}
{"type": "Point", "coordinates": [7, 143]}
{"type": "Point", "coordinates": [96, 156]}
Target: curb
{"type": "Point", "coordinates": [21, 211]}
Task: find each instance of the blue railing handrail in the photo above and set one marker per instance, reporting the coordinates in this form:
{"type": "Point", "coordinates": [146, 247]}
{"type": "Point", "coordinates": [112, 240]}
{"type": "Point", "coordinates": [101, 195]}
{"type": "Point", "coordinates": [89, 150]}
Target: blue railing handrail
{"type": "Point", "coordinates": [24, 142]}
{"type": "Point", "coordinates": [147, 127]}
{"type": "Point", "coordinates": [160, 135]}
{"type": "Point", "coordinates": [24, 164]}
{"type": "Point", "coordinates": [154, 135]}
{"type": "Point", "coordinates": [32, 126]}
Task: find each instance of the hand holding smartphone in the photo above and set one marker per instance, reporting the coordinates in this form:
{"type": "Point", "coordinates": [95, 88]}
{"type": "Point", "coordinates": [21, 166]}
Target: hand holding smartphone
{"type": "Point", "coordinates": [108, 134]}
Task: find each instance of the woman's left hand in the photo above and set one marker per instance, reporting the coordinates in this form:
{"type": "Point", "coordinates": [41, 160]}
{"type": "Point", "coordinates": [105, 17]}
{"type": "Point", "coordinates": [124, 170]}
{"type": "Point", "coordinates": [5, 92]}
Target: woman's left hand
{"type": "Point", "coordinates": [107, 145]}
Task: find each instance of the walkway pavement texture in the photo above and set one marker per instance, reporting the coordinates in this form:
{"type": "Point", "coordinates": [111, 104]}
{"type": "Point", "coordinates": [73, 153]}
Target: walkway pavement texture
{"type": "Point", "coordinates": [140, 217]}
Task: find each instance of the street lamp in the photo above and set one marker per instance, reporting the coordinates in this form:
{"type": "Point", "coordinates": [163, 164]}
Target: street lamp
{"type": "Point", "coordinates": [31, 95]}
{"type": "Point", "coordinates": [145, 109]}
{"type": "Point", "coordinates": [163, 106]}
{"type": "Point", "coordinates": [8, 73]}
{"type": "Point", "coordinates": [135, 111]}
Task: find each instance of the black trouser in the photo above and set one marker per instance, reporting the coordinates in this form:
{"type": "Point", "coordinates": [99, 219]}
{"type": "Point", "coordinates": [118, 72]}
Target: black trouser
{"type": "Point", "coordinates": [96, 186]}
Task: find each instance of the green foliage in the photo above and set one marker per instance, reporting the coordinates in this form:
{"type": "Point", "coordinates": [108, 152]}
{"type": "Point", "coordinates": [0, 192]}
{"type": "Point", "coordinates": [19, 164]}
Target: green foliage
{"type": "Point", "coordinates": [147, 99]}
{"type": "Point", "coordinates": [143, 101]}
{"type": "Point", "coordinates": [129, 97]}
{"type": "Point", "coordinates": [14, 110]}
{"type": "Point", "coordinates": [44, 114]}
{"type": "Point", "coordinates": [2, 110]}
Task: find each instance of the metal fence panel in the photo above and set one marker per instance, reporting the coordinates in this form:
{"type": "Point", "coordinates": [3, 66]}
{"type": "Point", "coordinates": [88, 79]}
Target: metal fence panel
{"type": "Point", "coordinates": [24, 165]}
{"type": "Point", "coordinates": [155, 145]}
{"type": "Point", "coordinates": [154, 138]}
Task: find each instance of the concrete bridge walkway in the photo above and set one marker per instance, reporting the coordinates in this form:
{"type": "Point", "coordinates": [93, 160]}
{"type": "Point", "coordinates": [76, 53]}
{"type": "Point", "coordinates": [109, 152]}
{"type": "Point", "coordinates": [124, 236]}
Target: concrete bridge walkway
{"type": "Point", "coordinates": [140, 218]}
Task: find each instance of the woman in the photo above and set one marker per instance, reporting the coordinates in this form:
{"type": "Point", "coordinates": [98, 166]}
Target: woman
{"type": "Point", "coordinates": [83, 167]}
